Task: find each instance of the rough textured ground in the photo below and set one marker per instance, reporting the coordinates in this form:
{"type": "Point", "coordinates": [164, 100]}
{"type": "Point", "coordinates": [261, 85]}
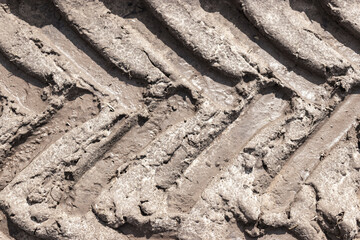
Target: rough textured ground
{"type": "Point", "coordinates": [201, 119]}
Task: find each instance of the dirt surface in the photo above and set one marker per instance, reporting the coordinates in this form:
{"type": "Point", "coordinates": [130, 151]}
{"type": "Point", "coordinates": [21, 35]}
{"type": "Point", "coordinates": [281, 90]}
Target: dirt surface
{"type": "Point", "coordinates": [203, 119]}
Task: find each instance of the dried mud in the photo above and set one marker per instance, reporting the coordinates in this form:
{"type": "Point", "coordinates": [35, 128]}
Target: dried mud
{"type": "Point", "coordinates": [204, 119]}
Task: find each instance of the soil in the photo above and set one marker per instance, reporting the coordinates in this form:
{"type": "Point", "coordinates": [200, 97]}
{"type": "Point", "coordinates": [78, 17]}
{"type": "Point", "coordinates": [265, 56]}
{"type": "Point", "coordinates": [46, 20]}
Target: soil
{"type": "Point", "coordinates": [146, 119]}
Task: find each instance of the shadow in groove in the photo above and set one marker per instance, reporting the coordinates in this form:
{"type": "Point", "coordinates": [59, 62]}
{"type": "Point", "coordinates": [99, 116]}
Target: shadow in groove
{"type": "Point", "coordinates": [137, 10]}
{"type": "Point", "coordinates": [41, 13]}
{"type": "Point", "coordinates": [316, 13]}
{"type": "Point", "coordinates": [230, 11]}
{"type": "Point", "coordinates": [15, 71]}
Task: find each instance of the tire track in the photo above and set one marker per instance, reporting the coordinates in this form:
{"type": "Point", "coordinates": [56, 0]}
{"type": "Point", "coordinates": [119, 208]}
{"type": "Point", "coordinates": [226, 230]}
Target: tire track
{"type": "Point", "coordinates": [27, 97]}
{"type": "Point", "coordinates": [204, 40]}
{"type": "Point", "coordinates": [54, 171]}
{"type": "Point", "coordinates": [51, 66]}
{"type": "Point", "coordinates": [140, 175]}
{"type": "Point", "coordinates": [248, 49]}
{"type": "Point", "coordinates": [116, 42]}
{"type": "Point", "coordinates": [176, 62]}
{"type": "Point", "coordinates": [338, 206]}
{"type": "Point", "coordinates": [233, 196]}
{"type": "Point", "coordinates": [160, 73]}
{"type": "Point", "coordinates": [331, 190]}
{"type": "Point", "coordinates": [344, 13]}
{"type": "Point", "coordinates": [80, 107]}
{"type": "Point", "coordinates": [164, 116]}
{"type": "Point", "coordinates": [334, 35]}
{"type": "Point", "coordinates": [287, 183]}
{"type": "Point", "coordinates": [292, 33]}
{"type": "Point", "coordinates": [178, 119]}
{"type": "Point", "coordinates": [197, 176]}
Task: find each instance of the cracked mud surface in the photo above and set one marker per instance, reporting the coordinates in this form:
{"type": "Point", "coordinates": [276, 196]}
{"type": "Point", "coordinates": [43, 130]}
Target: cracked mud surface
{"type": "Point", "coordinates": [204, 119]}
